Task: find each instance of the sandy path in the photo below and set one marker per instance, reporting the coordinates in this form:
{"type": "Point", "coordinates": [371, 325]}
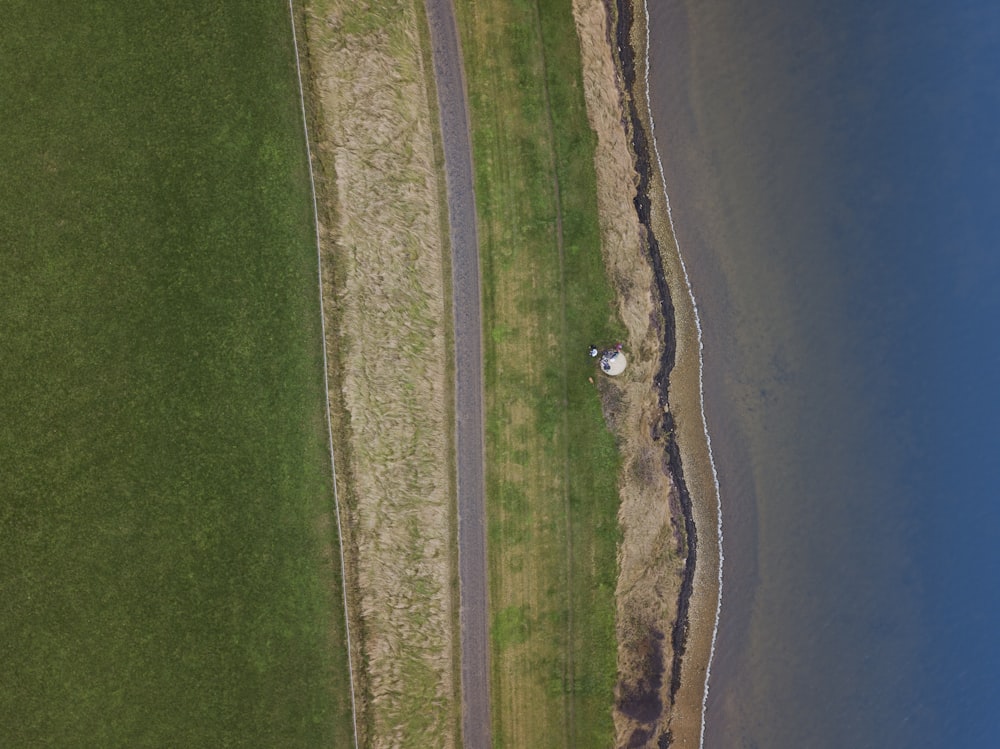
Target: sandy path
{"type": "Point", "coordinates": [468, 374]}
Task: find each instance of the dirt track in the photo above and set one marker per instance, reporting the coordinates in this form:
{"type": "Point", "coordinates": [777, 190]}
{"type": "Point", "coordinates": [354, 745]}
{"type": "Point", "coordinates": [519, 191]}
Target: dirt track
{"type": "Point", "coordinates": [468, 374]}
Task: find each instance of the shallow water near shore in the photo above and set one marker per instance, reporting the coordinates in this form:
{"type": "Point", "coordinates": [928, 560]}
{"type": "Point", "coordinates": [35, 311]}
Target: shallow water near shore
{"type": "Point", "coordinates": [833, 183]}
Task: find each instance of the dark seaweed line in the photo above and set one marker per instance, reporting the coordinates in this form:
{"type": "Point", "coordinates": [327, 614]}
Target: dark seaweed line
{"type": "Point", "coordinates": [664, 429]}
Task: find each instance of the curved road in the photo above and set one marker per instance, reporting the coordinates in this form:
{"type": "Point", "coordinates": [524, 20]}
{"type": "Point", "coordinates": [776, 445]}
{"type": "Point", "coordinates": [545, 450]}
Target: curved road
{"type": "Point", "coordinates": [468, 374]}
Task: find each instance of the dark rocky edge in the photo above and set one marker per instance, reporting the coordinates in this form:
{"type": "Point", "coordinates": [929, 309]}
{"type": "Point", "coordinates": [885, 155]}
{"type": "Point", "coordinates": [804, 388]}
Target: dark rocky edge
{"type": "Point", "coordinates": [663, 431]}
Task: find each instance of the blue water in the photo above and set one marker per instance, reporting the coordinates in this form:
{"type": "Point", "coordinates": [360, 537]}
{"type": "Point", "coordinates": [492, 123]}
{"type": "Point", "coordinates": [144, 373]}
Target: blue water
{"type": "Point", "coordinates": [834, 172]}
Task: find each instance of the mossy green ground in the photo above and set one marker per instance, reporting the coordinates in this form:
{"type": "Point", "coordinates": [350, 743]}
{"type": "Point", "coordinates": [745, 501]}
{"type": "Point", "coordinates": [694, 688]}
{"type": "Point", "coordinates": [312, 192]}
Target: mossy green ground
{"type": "Point", "coordinates": [168, 576]}
{"type": "Point", "coordinates": [552, 464]}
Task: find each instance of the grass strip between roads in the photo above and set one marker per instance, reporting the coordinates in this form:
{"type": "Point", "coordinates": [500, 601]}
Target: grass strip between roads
{"type": "Point", "coordinates": [168, 567]}
{"type": "Point", "coordinates": [552, 465]}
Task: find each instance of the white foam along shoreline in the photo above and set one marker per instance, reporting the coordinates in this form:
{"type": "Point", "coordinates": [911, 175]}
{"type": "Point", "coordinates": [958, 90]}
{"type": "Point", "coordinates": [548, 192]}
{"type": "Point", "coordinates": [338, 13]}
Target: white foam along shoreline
{"type": "Point", "coordinates": [701, 369]}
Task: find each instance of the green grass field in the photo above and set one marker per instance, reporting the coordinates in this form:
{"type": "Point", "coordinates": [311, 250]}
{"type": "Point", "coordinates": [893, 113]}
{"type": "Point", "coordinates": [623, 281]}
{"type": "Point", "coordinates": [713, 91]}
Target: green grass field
{"type": "Point", "coordinates": [552, 464]}
{"type": "Point", "coordinates": [167, 569]}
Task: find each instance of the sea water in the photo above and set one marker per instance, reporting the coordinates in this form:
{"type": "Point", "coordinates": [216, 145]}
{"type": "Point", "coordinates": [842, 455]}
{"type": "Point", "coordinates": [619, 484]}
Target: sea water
{"type": "Point", "coordinates": [834, 174]}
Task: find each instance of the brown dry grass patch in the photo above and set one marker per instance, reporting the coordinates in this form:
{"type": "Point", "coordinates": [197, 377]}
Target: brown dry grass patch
{"type": "Point", "coordinates": [385, 246]}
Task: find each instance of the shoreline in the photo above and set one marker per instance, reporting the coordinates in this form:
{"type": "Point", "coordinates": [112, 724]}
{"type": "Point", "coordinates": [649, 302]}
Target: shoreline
{"type": "Point", "coordinates": [681, 430]}
{"type": "Point", "coordinates": [663, 430]}
{"type": "Point", "coordinates": [717, 548]}
{"type": "Point", "coordinates": [695, 444]}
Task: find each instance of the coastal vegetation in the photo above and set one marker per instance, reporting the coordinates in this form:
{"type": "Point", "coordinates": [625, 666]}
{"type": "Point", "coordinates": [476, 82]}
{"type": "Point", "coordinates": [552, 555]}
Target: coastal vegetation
{"type": "Point", "coordinates": [552, 464]}
{"type": "Point", "coordinates": [680, 435]}
{"type": "Point", "coordinates": [169, 544]}
{"type": "Point", "coordinates": [386, 290]}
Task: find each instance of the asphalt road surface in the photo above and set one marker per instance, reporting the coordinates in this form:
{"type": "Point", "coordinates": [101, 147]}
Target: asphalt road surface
{"type": "Point", "coordinates": [468, 374]}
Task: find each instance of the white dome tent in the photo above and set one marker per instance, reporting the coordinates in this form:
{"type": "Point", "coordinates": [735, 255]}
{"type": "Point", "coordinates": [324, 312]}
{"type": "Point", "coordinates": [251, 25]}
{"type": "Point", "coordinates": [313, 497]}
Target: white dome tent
{"type": "Point", "coordinates": [612, 361]}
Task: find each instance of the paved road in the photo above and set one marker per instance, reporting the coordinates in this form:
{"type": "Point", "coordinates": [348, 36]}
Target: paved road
{"type": "Point", "coordinates": [468, 374]}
